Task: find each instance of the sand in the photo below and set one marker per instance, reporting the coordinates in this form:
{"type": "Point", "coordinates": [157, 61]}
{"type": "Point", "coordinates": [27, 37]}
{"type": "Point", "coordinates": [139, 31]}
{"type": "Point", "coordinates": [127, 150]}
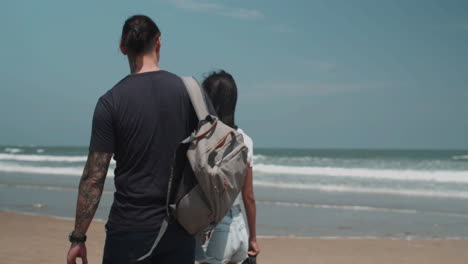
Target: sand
{"type": "Point", "coordinates": [42, 239]}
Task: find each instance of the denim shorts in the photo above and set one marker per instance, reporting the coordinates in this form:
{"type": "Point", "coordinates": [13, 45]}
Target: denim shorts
{"type": "Point", "coordinates": [228, 241]}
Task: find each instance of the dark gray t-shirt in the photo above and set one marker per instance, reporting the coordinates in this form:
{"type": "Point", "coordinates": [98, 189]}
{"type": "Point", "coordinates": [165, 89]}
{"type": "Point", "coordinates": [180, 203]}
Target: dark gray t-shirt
{"type": "Point", "coordinates": [141, 120]}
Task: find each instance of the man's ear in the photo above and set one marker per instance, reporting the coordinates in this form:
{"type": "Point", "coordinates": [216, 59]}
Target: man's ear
{"type": "Point", "coordinates": [122, 49]}
{"type": "Point", "coordinates": [158, 44]}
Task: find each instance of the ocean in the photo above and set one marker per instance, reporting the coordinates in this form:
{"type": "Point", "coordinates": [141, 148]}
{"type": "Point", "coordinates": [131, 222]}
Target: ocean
{"type": "Point", "coordinates": [299, 192]}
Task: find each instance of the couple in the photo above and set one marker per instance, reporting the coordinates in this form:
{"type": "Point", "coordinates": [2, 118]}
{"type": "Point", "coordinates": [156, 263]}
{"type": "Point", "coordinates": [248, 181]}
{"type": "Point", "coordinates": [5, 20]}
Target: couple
{"type": "Point", "coordinates": [140, 122]}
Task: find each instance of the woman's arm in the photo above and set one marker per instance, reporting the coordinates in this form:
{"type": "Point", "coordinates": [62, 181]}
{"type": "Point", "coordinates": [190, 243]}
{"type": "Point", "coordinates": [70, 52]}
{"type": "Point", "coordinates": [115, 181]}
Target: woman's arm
{"type": "Point", "coordinates": [250, 208]}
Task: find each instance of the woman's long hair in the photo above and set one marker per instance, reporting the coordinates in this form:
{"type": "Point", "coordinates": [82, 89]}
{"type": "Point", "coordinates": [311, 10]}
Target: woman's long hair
{"type": "Point", "coordinates": [221, 89]}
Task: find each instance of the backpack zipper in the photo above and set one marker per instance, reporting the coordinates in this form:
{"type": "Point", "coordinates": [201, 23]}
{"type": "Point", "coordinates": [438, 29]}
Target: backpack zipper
{"type": "Point", "coordinates": [228, 156]}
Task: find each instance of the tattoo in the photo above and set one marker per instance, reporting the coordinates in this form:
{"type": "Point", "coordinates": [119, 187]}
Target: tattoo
{"type": "Point", "coordinates": [90, 189]}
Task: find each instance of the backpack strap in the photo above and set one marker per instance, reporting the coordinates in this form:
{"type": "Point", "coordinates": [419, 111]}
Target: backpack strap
{"type": "Point", "coordinates": [201, 109]}
{"type": "Point", "coordinates": [168, 219]}
{"type": "Point", "coordinates": [162, 230]}
{"type": "Point", "coordinates": [197, 97]}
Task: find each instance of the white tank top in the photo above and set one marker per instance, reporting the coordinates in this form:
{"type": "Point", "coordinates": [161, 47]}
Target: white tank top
{"type": "Point", "coordinates": [249, 143]}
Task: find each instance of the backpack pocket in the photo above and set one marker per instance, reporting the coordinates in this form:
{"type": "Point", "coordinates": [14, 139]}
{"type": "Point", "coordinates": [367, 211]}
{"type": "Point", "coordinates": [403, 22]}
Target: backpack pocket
{"type": "Point", "coordinates": [193, 212]}
{"type": "Point", "coordinates": [232, 180]}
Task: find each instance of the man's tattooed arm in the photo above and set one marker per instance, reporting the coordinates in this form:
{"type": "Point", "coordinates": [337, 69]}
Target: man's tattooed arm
{"type": "Point", "coordinates": [90, 190]}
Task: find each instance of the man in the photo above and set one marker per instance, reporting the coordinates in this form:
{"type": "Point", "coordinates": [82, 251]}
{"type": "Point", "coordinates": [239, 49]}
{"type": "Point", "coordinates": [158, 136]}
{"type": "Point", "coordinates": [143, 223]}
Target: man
{"type": "Point", "coordinates": [140, 122]}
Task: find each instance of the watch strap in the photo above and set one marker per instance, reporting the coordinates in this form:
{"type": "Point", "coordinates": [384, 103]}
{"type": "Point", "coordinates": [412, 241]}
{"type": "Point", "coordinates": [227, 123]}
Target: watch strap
{"type": "Point", "coordinates": [76, 239]}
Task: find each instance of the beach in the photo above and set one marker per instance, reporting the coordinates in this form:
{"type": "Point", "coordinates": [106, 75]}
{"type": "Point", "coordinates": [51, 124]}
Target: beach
{"type": "Point", "coordinates": [28, 238]}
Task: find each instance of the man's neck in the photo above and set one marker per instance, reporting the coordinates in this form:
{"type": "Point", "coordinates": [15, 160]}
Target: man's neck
{"type": "Point", "coordinates": [145, 63]}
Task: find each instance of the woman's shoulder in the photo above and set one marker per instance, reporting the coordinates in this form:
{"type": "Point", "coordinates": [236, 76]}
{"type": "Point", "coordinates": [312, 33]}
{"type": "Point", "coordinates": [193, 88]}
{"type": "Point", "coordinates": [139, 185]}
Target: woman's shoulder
{"type": "Point", "coordinates": [247, 139]}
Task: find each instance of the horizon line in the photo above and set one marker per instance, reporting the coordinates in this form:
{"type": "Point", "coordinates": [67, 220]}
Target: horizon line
{"type": "Point", "coordinates": [269, 147]}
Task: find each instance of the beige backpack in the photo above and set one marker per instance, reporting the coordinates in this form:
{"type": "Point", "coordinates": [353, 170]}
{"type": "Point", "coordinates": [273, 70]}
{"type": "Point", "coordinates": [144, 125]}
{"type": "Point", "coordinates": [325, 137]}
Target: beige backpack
{"type": "Point", "coordinates": [199, 198]}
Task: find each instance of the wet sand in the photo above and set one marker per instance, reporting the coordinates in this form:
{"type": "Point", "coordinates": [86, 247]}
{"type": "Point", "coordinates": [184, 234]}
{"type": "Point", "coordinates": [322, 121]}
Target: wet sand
{"type": "Point", "coordinates": [42, 239]}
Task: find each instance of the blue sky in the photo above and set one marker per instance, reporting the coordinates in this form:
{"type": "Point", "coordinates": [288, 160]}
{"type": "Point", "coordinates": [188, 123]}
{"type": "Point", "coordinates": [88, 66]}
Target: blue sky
{"type": "Point", "coordinates": [340, 74]}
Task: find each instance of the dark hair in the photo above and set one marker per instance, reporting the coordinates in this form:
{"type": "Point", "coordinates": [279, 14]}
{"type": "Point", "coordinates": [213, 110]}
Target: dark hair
{"type": "Point", "coordinates": [139, 34]}
{"type": "Point", "coordinates": [221, 88]}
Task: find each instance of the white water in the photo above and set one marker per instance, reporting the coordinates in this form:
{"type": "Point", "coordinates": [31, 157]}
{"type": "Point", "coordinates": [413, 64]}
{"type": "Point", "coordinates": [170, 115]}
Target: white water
{"type": "Point", "coordinates": [461, 157]}
{"type": "Point", "coordinates": [24, 157]}
{"type": "Point", "coordinates": [352, 189]}
{"type": "Point", "coordinates": [444, 182]}
{"type": "Point", "coordinates": [67, 171]}
{"type": "Point", "coordinates": [401, 175]}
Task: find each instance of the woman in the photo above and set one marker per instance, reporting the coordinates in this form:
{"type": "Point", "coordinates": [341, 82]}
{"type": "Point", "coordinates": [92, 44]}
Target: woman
{"type": "Point", "coordinates": [229, 242]}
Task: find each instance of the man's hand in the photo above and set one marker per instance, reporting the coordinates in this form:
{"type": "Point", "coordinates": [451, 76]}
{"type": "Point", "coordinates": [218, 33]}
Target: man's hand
{"type": "Point", "coordinates": [77, 251]}
{"type": "Point", "coordinates": [89, 195]}
{"type": "Point", "coordinates": [254, 250]}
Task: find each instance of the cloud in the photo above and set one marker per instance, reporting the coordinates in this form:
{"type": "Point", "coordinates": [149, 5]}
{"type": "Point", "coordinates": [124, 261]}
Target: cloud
{"type": "Point", "coordinates": [241, 13]}
{"type": "Point", "coordinates": [218, 9]}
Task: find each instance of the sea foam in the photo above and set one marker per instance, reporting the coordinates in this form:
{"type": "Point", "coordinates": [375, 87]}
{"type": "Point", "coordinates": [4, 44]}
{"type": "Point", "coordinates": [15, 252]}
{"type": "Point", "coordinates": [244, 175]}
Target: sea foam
{"type": "Point", "coordinates": [24, 157]}
{"type": "Point", "coordinates": [352, 189]}
{"type": "Point", "coordinates": [13, 150]}
{"type": "Point", "coordinates": [391, 174]}
{"type": "Point", "coordinates": [68, 171]}
{"type": "Point", "coordinates": [461, 157]}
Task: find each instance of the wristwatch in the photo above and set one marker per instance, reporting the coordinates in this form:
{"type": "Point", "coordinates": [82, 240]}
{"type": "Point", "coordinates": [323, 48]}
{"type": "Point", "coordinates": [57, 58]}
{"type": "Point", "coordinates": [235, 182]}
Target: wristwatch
{"type": "Point", "coordinates": [76, 239]}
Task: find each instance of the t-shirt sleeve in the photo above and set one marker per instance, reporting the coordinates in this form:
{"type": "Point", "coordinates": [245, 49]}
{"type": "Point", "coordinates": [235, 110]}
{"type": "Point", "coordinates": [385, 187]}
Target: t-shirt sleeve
{"type": "Point", "coordinates": [102, 134]}
{"type": "Point", "coordinates": [249, 143]}
{"type": "Point", "coordinates": [250, 154]}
